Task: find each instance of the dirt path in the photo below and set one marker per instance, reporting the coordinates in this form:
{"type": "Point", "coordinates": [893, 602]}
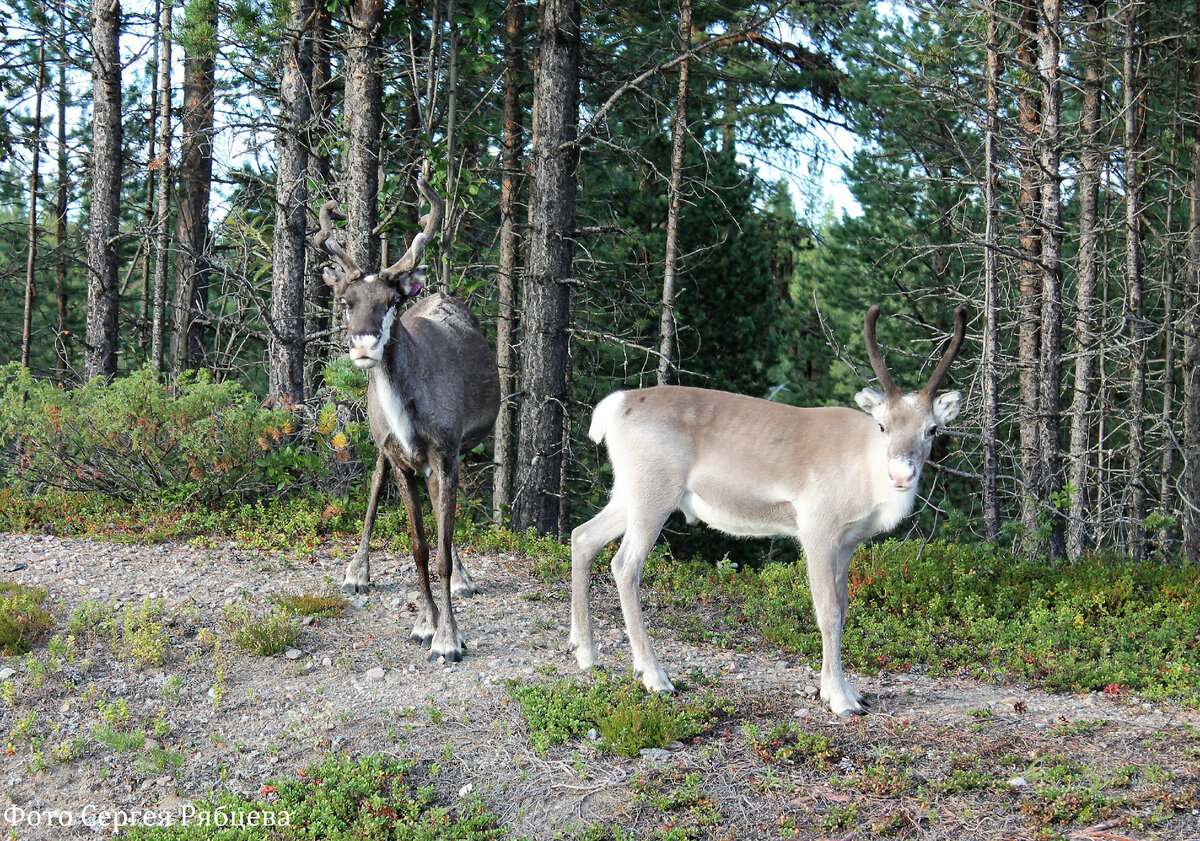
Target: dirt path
{"type": "Point", "coordinates": [938, 758]}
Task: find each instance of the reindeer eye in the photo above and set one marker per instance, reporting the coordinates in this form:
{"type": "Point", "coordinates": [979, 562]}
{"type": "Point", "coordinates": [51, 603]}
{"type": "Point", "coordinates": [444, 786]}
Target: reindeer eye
{"type": "Point", "coordinates": [929, 433]}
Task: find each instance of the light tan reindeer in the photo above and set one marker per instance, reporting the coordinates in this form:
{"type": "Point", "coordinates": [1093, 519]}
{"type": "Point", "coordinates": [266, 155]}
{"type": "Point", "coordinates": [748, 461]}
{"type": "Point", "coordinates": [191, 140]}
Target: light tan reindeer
{"type": "Point", "coordinates": [828, 477]}
{"type": "Point", "coordinates": [433, 392]}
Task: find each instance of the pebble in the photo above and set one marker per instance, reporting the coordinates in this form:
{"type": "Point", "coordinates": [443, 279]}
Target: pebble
{"type": "Point", "coordinates": [374, 674]}
{"type": "Point", "coordinates": [293, 654]}
{"type": "Point", "coordinates": [7, 672]}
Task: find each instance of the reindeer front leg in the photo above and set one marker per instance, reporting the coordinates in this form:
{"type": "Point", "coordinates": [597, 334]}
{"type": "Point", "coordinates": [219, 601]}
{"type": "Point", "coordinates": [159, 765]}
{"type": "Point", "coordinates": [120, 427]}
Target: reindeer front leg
{"type": "Point", "coordinates": [461, 583]}
{"type": "Point", "coordinates": [828, 573]}
{"type": "Point", "coordinates": [358, 573]}
{"type": "Point", "coordinates": [447, 641]}
{"type": "Point", "coordinates": [427, 618]}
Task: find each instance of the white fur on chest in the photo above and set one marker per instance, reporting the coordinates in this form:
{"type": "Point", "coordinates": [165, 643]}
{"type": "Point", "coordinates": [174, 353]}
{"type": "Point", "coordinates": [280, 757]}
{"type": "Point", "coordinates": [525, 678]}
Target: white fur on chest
{"type": "Point", "coordinates": [399, 422]}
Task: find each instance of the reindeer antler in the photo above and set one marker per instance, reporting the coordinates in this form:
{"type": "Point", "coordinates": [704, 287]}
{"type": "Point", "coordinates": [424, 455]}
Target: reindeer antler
{"type": "Point", "coordinates": [430, 222]}
{"type": "Point", "coordinates": [956, 343]}
{"type": "Point", "coordinates": [877, 364]}
{"type": "Point", "coordinates": [324, 239]}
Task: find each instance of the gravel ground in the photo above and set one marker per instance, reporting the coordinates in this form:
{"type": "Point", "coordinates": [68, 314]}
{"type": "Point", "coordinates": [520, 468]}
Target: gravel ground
{"type": "Point", "coordinates": [355, 684]}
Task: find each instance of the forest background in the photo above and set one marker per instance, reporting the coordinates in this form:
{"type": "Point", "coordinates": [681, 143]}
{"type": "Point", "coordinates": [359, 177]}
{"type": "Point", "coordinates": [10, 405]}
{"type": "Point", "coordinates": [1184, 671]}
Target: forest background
{"type": "Point", "coordinates": [171, 341]}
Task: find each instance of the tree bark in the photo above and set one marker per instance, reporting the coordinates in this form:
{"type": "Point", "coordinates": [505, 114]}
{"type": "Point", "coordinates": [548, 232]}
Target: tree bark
{"type": "Point", "coordinates": [1051, 270]}
{"type": "Point", "coordinates": [547, 298]}
{"type": "Point", "coordinates": [104, 217]}
{"type": "Point", "coordinates": [319, 315]}
{"type": "Point", "coordinates": [990, 410]}
{"type": "Point", "coordinates": [1029, 305]}
{"type": "Point", "coordinates": [147, 286]}
{"type": "Point", "coordinates": [61, 359]}
{"type": "Point", "coordinates": [364, 123]}
{"type": "Point", "coordinates": [34, 177]}
{"type": "Point", "coordinates": [1191, 339]}
{"type": "Point", "coordinates": [1087, 273]}
{"type": "Point", "coordinates": [1134, 143]}
{"type": "Point", "coordinates": [679, 130]}
{"type": "Point", "coordinates": [506, 315]}
{"type": "Point", "coordinates": [286, 345]}
{"type": "Point", "coordinates": [162, 216]}
{"type": "Point", "coordinates": [195, 185]}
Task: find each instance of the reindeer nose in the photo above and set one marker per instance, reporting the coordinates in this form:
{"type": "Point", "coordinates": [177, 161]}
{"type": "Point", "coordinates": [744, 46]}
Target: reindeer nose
{"type": "Point", "coordinates": [902, 472]}
{"type": "Point", "coordinates": [366, 349]}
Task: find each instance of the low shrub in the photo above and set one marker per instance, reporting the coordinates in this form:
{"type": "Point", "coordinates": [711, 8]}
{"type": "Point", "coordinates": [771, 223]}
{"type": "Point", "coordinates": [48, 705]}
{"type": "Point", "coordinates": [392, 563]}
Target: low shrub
{"type": "Point", "coordinates": [135, 438]}
{"type": "Point", "coordinates": [262, 635]}
{"type": "Point", "coordinates": [22, 617]}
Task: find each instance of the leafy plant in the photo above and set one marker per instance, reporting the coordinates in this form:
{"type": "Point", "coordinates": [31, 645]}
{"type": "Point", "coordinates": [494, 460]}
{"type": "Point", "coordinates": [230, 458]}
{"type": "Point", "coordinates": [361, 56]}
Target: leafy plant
{"type": "Point", "coordinates": [311, 604]}
{"type": "Point", "coordinates": [22, 617]}
{"type": "Point", "coordinates": [262, 635]}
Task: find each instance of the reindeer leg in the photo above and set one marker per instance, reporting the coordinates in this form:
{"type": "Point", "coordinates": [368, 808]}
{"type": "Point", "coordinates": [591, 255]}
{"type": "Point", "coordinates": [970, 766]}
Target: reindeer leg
{"type": "Point", "coordinates": [358, 573]}
{"type": "Point", "coordinates": [627, 570]}
{"type": "Point", "coordinates": [828, 571]}
{"type": "Point", "coordinates": [460, 581]}
{"type": "Point", "coordinates": [447, 641]}
{"type": "Point", "coordinates": [427, 618]}
{"type": "Point", "coordinates": [586, 542]}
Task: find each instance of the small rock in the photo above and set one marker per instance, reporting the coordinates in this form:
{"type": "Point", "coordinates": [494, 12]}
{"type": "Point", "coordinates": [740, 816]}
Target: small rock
{"type": "Point", "coordinates": [374, 674]}
{"type": "Point", "coordinates": [293, 654]}
{"type": "Point", "coordinates": [7, 672]}
{"type": "Point", "coordinates": [1018, 782]}
{"type": "Point", "coordinates": [655, 756]}
{"type": "Point", "coordinates": [812, 691]}
{"type": "Point", "coordinates": [467, 789]}
{"type": "Point", "coordinates": [325, 661]}
{"type": "Point", "coordinates": [593, 735]}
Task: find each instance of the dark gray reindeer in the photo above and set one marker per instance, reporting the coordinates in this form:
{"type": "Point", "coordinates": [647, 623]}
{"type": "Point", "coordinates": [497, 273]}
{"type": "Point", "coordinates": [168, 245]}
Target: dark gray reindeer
{"type": "Point", "coordinates": [433, 392]}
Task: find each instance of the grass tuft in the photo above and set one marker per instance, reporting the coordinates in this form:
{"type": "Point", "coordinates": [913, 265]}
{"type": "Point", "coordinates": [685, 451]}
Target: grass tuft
{"type": "Point", "coordinates": [262, 635]}
{"type": "Point", "coordinates": [22, 617]}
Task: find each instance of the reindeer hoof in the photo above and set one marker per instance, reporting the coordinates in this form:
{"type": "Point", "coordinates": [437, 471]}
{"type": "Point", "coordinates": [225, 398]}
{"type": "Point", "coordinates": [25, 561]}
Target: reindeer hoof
{"type": "Point", "coordinates": [451, 656]}
{"type": "Point", "coordinates": [420, 639]}
{"type": "Point", "coordinates": [466, 590]}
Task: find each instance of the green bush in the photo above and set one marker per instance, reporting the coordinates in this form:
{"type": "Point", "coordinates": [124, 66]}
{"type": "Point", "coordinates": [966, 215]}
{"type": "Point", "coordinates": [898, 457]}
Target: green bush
{"type": "Point", "coordinates": [22, 617]}
{"type": "Point", "coordinates": [1102, 623]}
{"type": "Point", "coordinates": [135, 438]}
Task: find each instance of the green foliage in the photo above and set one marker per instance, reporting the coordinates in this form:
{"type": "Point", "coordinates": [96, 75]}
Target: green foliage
{"type": "Point", "coordinates": [626, 717]}
{"type": "Point", "coordinates": [310, 604]}
{"type": "Point", "coordinates": [134, 438]}
{"type": "Point", "coordinates": [372, 798]}
{"type": "Point", "coordinates": [788, 744]}
{"type": "Point", "coordinates": [1104, 623]}
{"type": "Point", "coordinates": [262, 635]}
{"type": "Point", "coordinates": [22, 616]}
{"type": "Point", "coordinates": [142, 634]}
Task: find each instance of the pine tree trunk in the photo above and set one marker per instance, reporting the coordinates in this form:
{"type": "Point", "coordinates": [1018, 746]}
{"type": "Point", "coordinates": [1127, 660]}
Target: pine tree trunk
{"type": "Point", "coordinates": [319, 315]}
{"type": "Point", "coordinates": [364, 123]}
{"type": "Point", "coordinates": [104, 216]}
{"type": "Point", "coordinates": [34, 177]}
{"type": "Point", "coordinates": [547, 299]}
{"type": "Point", "coordinates": [1087, 272]}
{"type": "Point", "coordinates": [1051, 269]}
{"type": "Point", "coordinates": [1029, 304]}
{"type": "Point", "coordinates": [506, 315]}
{"type": "Point", "coordinates": [286, 346]}
{"type": "Point", "coordinates": [147, 286]}
{"type": "Point", "coordinates": [1191, 341]}
{"type": "Point", "coordinates": [990, 410]}
{"type": "Point", "coordinates": [679, 130]}
{"type": "Point", "coordinates": [450, 216]}
{"type": "Point", "coordinates": [195, 185]}
{"type": "Point", "coordinates": [61, 357]}
{"type": "Point", "coordinates": [162, 216]}
{"type": "Point", "coordinates": [1134, 142]}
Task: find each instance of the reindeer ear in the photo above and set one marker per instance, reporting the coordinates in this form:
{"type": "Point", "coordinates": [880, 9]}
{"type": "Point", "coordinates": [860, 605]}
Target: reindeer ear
{"type": "Point", "coordinates": [870, 400]}
{"type": "Point", "coordinates": [412, 282]}
{"type": "Point", "coordinates": [335, 280]}
{"type": "Point", "coordinates": [946, 407]}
